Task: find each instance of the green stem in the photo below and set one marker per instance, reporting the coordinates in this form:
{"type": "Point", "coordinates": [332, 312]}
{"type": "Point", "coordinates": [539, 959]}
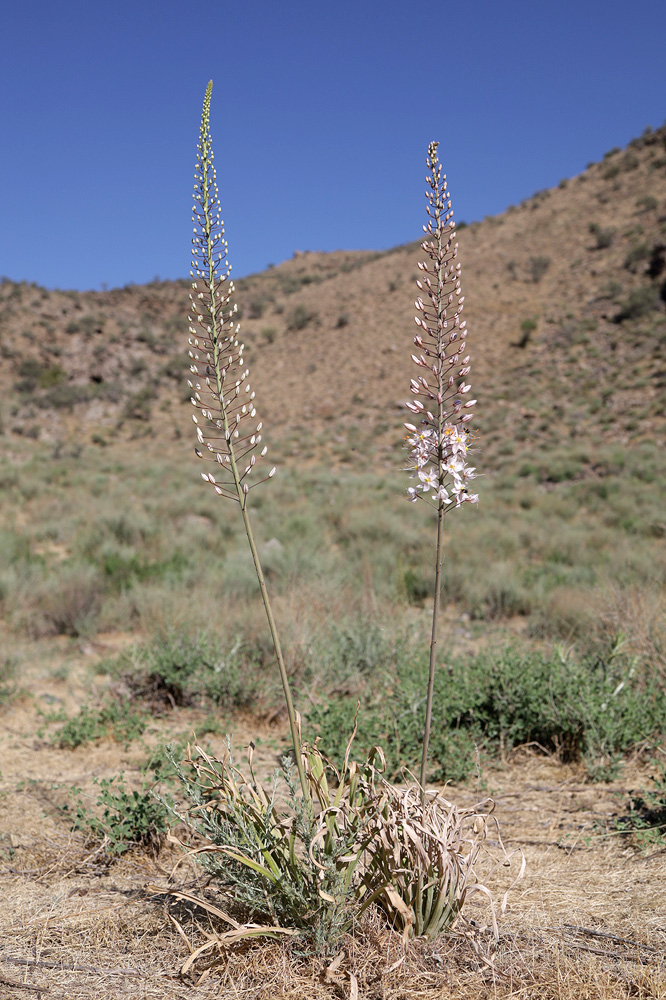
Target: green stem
{"type": "Point", "coordinates": [441, 326]}
{"type": "Point", "coordinates": [433, 645]}
{"type": "Point", "coordinates": [295, 736]}
{"type": "Point", "coordinates": [215, 332]}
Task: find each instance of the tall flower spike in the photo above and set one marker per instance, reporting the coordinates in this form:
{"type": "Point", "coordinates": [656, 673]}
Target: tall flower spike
{"type": "Point", "coordinates": [228, 432]}
{"type": "Point", "coordinates": [438, 444]}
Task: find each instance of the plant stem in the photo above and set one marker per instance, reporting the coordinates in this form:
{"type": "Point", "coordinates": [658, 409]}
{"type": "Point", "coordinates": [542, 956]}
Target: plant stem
{"type": "Point", "coordinates": [295, 735]}
{"type": "Point", "coordinates": [441, 326]}
{"type": "Point", "coordinates": [433, 644]}
{"type": "Point", "coordinates": [216, 333]}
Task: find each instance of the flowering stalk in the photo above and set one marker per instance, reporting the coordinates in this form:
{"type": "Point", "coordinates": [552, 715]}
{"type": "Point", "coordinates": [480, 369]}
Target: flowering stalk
{"type": "Point", "coordinates": [228, 433]}
{"type": "Point", "coordinates": [438, 445]}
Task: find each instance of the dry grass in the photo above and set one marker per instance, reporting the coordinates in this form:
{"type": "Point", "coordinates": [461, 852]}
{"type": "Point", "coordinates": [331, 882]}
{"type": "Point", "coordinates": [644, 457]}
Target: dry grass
{"type": "Point", "coordinates": [588, 919]}
{"type": "Point", "coordinates": [79, 932]}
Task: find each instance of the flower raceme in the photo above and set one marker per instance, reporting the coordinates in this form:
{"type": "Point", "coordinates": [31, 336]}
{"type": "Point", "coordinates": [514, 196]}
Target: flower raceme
{"type": "Point", "coordinates": [227, 430]}
{"type": "Point", "coordinates": [439, 444]}
{"type": "Point", "coordinates": [226, 415]}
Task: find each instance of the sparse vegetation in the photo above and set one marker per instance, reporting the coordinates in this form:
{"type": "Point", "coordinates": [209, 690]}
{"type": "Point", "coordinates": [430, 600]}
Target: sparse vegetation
{"type": "Point", "coordinates": [602, 237]}
{"type": "Point", "coordinates": [121, 818]}
{"type": "Point", "coordinates": [538, 267]}
{"type": "Point", "coordinates": [527, 328]}
{"type": "Point", "coordinates": [638, 303]}
{"type": "Point", "coordinates": [115, 720]}
{"type": "Point", "coordinates": [645, 818]}
{"type": "Point", "coordinates": [130, 610]}
{"type": "Point", "coordinates": [638, 254]}
{"type": "Point", "coordinates": [300, 318]}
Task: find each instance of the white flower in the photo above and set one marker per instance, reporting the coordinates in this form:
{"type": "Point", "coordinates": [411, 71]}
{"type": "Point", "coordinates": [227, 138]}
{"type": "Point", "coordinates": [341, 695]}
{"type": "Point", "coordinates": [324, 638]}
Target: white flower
{"type": "Point", "coordinates": [422, 444]}
{"type": "Point", "coordinates": [428, 479]}
{"type": "Point", "coordinates": [454, 466]}
{"type": "Point", "coordinates": [458, 440]}
{"type": "Point", "coordinates": [462, 496]}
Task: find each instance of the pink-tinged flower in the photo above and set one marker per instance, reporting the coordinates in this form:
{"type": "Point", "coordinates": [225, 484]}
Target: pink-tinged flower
{"type": "Point", "coordinates": [462, 496]}
{"type": "Point", "coordinates": [459, 441]}
{"type": "Point", "coordinates": [428, 479]}
{"type": "Point", "coordinates": [440, 390]}
{"type": "Point", "coordinates": [454, 465]}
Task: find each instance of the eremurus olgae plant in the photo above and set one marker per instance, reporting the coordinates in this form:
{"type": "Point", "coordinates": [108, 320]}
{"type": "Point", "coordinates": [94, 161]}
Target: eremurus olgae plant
{"type": "Point", "coordinates": [439, 443]}
{"type": "Point", "coordinates": [228, 431]}
{"type": "Point", "coordinates": [316, 863]}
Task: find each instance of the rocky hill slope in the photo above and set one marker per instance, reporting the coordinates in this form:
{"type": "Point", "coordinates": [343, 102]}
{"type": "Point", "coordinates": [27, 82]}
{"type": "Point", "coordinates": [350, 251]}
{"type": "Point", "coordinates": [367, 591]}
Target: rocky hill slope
{"type": "Point", "coordinates": [565, 302]}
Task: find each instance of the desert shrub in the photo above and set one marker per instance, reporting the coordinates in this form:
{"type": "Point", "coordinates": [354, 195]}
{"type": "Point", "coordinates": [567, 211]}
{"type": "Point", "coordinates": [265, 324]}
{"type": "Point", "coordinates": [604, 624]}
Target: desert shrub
{"type": "Point", "coordinates": [645, 818]}
{"type": "Point", "coordinates": [527, 328]}
{"type": "Point", "coordinates": [121, 818]}
{"type": "Point", "coordinates": [116, 720]}
{"type": "Point", "coordinates": [602, 237]}
{"type": "Point", "coordinates": [8, 673]}
{"type": "Point", "coordinates": [124, 567]}
{"type": "Point", "coordinates": [175, 367]}
{"type": "Point", "coordinates": [537, 267]}
{"type": "Point", "coordinates": [68, 603]}
{"type": "Point", "coordinates": [256, 308]}
{"type": "Point", "coordinates": [498, 594]}
{"type": "Point", "coordinates": [638, 253]}
{"type": "Point", "coordinates": [629, 162]}
{"type": "Point", "coordinates": [65, 395]}
{"type": "Point", "coordinates": [175, 668]}
{"type": "Point", "coordinates": [139, 404]}
{"type": "Point", "coordinates": [495, 703]}
{"type": "Point", "coordinates": [611, 171]}
{"type": "Point", "coordinates": [34, 374]}
{"type": "Point", "coordinates": [647, 203]}
{"type": "Point", "coordinates": [350, 652]}
{"type": "Point", "coordinates": [417, 587]}
{"type": "Point", "coordinates": [300, 317]}
{"type": "Point", "coordinates": [640, 302]}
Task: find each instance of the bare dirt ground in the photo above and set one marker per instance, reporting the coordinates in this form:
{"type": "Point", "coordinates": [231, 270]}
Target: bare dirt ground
{"type": "Point", "coordinates": [587, 920]}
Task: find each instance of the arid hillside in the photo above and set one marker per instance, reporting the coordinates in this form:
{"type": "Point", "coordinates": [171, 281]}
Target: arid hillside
{"type": "Point", "coordinates": [565, 301]}
{"type": "Point", "coordinates": [131, 617]}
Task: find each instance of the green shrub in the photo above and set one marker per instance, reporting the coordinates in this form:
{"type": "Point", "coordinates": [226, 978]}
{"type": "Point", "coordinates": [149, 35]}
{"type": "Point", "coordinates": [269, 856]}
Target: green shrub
{"type": "Point", "coordinates": [176, 669]}
{"type": "Point", "coordinates": [116, 719]}
{"type": "Point", "coordinates": [639, 303]}
{"type": "Point", "coordinates": [538, 267]}
{"type": "Point", "coordinates": [68, 603]}
{"type": "Point", "coordinates": [129, 818]}
{"type": "Point", "coordinates": [495, 703]}
{"type": "Point", "coordinates": [300, 317]}
{"type": "Point", "coordinates": [646, 815]}
{"type": "Point", "coordinates": [648, 203]}
{"type": "Point", "coordinates": [638, 253]}
{"type": "Point", "coordinates": [527, 328]}
{"type": "Point", "coordinates": [8, 672]}
{"type": "Point", "coordinates": [602, 237]}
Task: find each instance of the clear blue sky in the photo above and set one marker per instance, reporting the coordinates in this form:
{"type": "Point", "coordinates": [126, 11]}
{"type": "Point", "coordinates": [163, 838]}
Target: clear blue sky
{"type": "Point", "coordinates": [321, 117]}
